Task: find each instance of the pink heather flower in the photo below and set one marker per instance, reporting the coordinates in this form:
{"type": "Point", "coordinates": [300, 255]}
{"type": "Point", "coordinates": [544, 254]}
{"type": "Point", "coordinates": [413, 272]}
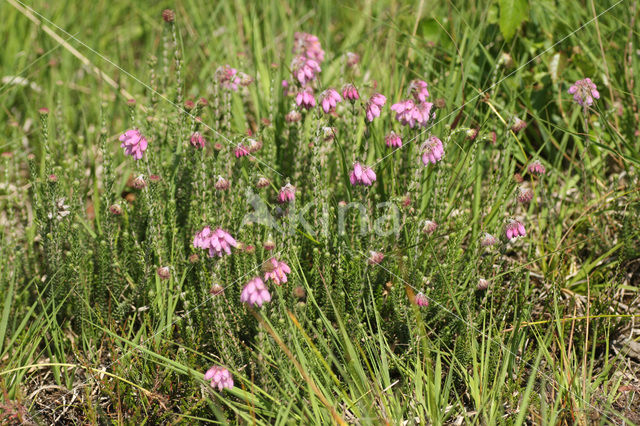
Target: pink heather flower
{"type": "Point", "coordinates": [287, 193]}
{"type": "Point", "coordinates": [304, 69]}
{"type": "Point", "coordinates": [403, 111]}
{"type": "Point", "coordinates": [421, 300]}
{"type": "Point", "coordinates": [329, 100]}
{"type": "Point", "coordinates": [374, 106]}
{"type": "Point", "coordinates": [515, 229]}
{"type": "Point", "coordinates": [134, 143]}
{"type": "Point", "coordinates": [393, 140]}
{"type": "Point", "coordinates": [525, 195]}
{"type": "Point", "coordinates": [472, 133]}
{"type": "Point", "coordinates": [305, 98]}
{"type": "Point", "coordinates": [220, 377]}
{"type": "Point", "coordinates": [375, 257]}
{"type": "Point", "coordinates": [429, 227]}
{"type": "Point", "coordinates": [432, 150]}
{"type": "Point", "coordinates": [227, 77]}
{"type": "Point", "coordinates": [350, 93]}
{"type": "Point", "coordinates": [197, 140]}
{"type": "Point", "coordinates": [418, 90]}
{"type": "Point", "coordinates": [537, 168]}
{"type": "Point", "coordinates": [217, 242]}
{"type": "Point", "coordinates": [488, 240]}
{"type": "Point", "coordinates": [362, 175]}
{"type": "Point", "coordinates": [408, 113]}
{"type": "Point", "coordinates": [308, 45]}
{"type": "Point", "coordinates": [241, 151]}
{"type": "Point", "coordinates": [255, 293]}
{"type": "Point", "coordinates": [584, 92]}
{"type": "Point", "coordinates": [276, 271]}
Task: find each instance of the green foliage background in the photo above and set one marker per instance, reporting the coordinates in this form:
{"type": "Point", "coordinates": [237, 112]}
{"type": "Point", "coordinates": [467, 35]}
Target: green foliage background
{"type": "Point", "coordinates": [83, 301]}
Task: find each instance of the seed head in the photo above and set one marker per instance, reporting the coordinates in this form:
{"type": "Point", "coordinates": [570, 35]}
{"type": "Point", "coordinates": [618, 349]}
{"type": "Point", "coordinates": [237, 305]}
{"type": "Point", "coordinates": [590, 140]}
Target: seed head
{"type": "Point", "coordinates": [216, 290]}
{"type": "Point", "coordinates": [482, 284]}
{"type": "Point", "coordinates": [164, 272]}
{"type": "Point", "coordinates": [168, 16]}
{"type": "Point", "coordinates": [115, 209]}
{"type": "Point", "coordinates": [222, 184]}
{"type": "Point", "coordinates": [488, 240]}
{"type": "Point", "coordinates": [139, 183]}
{"type": "Point", "coordinates": [375, 257]}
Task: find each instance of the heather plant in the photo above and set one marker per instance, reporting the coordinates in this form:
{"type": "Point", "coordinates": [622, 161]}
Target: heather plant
{"type": "Point", "coordinates": [313, 214]}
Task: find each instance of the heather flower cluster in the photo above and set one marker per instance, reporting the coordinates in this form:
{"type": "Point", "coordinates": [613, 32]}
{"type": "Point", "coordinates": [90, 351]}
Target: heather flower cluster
{"type": "Point", "coordinates": [514, 229]}
{"type": "Point", "coordinates": [305, 69]}
{"type": "Point", "coordinates": [151, 241]}
{"type": "Point", "coordinates": [218, 242]}
{"type": "Point", "coordinates": [416, 111]}
{"type": "Point", "coordinates": [309, 55]}
{"type": "Point", "coordinates": [537, 168]}
{"type": "Point", "coordinates": [421, 300]}
{"type": "Point", "coordinates": [276, 271]}
{"type": "Point", "coordinates": [305, 98]}
{"type": "Point", "coordinates": [255, 292]}
{"type": "Point", "coordinates": [287, 193]}
{"type": "Point", "coordinates": [240, 151]}
{"type": "Point", "coordinates": [330, 99]}
{"type": "Point", "coordinates": [350, 93]}
{"type": "Point", "coordinates": [393, 140]}
{"type": "Point", "coordinates": [134, 143]}
{"type": "Point", "coordinates": [197, 140]}
{"type": "Point", "coordinates": [220, 377]}
{"type": "Point", "coordinates": [584, 92]}
{"type": "Point", "coordinates": [229, 78]}
{"type": "Point", "coordinates": [308, 45]}
{"type": "Point", "coordinates": [374, 106]}
{"type": "Point", "coordinates": [362, 175]}
{"type": "Point", "coordinates": [432, 150]}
